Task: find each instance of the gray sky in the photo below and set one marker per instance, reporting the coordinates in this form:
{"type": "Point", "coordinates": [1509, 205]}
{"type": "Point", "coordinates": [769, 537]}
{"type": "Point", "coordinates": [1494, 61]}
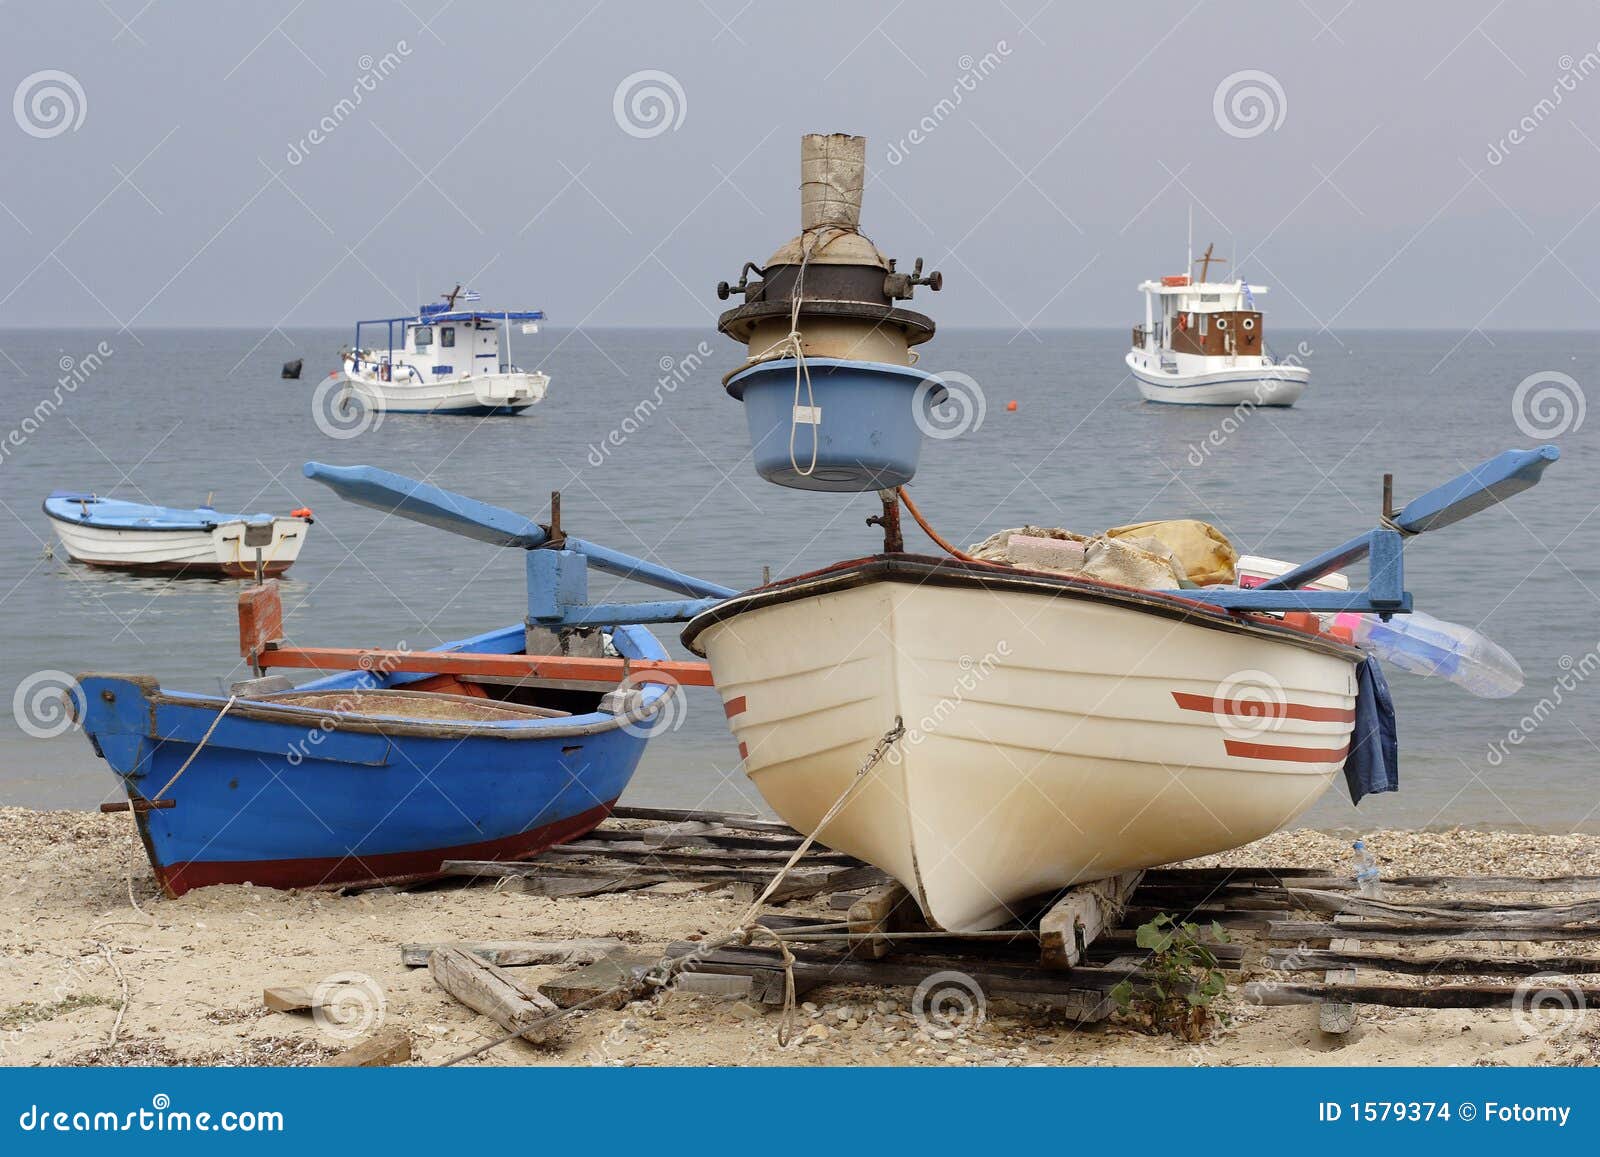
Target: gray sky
{"type": "Point", "coordinates": [191, 192]}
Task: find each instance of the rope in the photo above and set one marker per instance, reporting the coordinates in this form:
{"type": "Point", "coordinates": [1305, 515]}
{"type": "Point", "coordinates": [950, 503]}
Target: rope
{"type": "Point", "coordinates": [905, 497]}
{"type": "Point", "coordinates": [661, 975]}
{"type": "Point", "coordinates": [204, 739]}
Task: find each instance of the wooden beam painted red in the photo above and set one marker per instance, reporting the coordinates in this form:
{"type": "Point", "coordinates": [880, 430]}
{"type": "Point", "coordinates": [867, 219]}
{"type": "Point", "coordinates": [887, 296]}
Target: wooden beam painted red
{"type": "Point", "coordinates": [684, 673]}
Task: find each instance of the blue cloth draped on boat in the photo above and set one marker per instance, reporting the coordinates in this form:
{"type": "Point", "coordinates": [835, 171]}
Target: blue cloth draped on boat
{"type": "Point", "coordinates": [1373, 764]}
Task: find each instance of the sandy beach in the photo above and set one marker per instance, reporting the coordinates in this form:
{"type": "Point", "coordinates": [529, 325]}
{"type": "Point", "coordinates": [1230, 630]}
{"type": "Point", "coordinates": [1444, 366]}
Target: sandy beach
{"type": "Point", "coordinates": [93, 954]}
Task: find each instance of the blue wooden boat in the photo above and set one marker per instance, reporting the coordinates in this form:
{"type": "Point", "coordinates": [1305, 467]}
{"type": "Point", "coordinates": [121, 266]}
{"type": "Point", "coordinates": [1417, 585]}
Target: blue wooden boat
{"type": "Point", "coordinates": [378, 773]}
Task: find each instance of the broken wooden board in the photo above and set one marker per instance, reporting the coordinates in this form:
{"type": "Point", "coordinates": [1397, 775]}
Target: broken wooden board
{"type": "Point", "coordinates": [1409, 933]}
{"type": "Point", "coordinates": [514, 953]}
{"type": "Point", "coordinates": [1491, 915]}
{"type": "Point", "coordinates": [1080, 916]}
{"type": "Point", "coordinates": [387, 1046]}
{"type": "Point", "coordinates": [495, 993]}
{"type": "Point", "coordinates": [740, 821]}
{"type": "Point", "coordinates": [610, 982]}
{"type": "Point", "coordinates": [799, 883]}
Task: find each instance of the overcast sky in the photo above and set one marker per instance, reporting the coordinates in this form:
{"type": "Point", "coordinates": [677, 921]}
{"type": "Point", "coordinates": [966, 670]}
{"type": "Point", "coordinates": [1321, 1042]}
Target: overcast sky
{"type": "Point", "coordinates": [1377, 164]}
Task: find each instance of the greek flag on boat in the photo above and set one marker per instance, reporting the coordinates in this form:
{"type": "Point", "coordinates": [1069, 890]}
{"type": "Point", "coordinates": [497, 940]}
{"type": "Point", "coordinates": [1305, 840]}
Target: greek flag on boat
{"type": "Point", "coordinates": [471, 295]}
{"type": "Point", "coordinates": [1249, 298]}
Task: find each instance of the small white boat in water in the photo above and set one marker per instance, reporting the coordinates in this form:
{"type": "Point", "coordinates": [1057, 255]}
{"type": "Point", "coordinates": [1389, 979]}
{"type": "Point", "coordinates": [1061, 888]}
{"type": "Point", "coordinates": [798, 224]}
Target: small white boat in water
{"type": "Point", "coordinates": [444, 360]}
{"type": "Point", "coordinates": [134, 536]}
{"type": "Point", "coordinates": [1203, 343]}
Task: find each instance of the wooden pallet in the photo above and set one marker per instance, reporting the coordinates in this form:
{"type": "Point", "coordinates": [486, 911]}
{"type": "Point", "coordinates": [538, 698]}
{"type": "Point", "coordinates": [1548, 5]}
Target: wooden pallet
{"type": "Point", "coordinates": [1070, 950]}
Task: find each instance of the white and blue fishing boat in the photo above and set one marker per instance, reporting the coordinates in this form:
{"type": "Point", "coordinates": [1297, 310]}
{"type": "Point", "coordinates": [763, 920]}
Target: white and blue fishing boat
{"type": "Point", "coordinates": [493, 747]}
{"type": "Point", "coordinates": [452, 357]}
{"type": "Point", "coordinates": [200, 541]}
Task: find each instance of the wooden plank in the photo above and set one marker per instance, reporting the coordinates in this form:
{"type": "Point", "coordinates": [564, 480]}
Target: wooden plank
{"type": "Point", "coordinates": [577, 887]}
{"type": "Point", "coordinates": [1081, 995]}
{"type": "Point", "coordinates": [740, 821]}
{"type": "Point", "coordinates": [1403, 996]}
{"type": "Point", "coordinates": [289, 998]}
{"type": "Point", "coordinates": [1552, 915]}
{"type": "Point", "coordinates": [515, 953]}
{"type": "Point", "coordinates": [567, 667]}
{"type": "Point", "coordinates": [638, 850]}
{"type": "Point", "coordinates": [390, 1045]}
{"type": "Point", "coordinates": [1320, 878]}
{"type": "Point", "coordinates": [495, 993]}
{"type": "Point", "coordinates": [1338, 1017]}
{"type": "Point", "coordinates": [1389, 933]}
{"type": "Point", "coordinates": [1082, 914]}
{"type": "Point", "coordinates": [610, 982]}
{"type": "Point", "coordinates": [1320, 959]}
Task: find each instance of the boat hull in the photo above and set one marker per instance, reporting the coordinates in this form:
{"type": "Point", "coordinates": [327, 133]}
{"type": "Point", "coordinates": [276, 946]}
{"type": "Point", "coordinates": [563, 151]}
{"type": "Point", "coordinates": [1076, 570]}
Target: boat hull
{"type": "Point", "coordinates": [1260, 385]}
{"type": "Point", "coordinates": [477, 395]}
{"type": "Point", "coordinates": [1057, 731]}
{"type": "Point", "coordinates": [215, 553]}
{"type": "Point", "coordinates": [289, 796]}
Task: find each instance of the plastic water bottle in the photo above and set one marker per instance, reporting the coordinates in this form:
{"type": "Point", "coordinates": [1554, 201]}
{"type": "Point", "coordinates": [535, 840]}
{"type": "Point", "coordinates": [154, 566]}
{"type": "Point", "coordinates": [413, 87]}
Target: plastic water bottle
{"type": "Point", "coordinates": [1365, 875]}
{"type": "Point", "coordinates": [1424, 645]}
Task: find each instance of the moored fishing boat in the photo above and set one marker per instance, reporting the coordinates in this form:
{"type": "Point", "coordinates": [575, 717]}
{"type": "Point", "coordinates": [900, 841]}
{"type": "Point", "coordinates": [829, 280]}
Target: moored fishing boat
{"type": "Point", "coordinates": [1204, 343]}
{"type": "Point", "coordinates": [443, 360]}
{"type": "Point", "coordinates": [136, 536]}
{"type": "Point", "coordinates": [494, 747]}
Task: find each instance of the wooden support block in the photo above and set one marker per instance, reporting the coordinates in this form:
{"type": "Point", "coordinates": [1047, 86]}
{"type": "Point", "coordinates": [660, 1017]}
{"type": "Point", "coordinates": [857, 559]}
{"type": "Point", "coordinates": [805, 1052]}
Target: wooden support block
{"type": "Point", "coordinates": [715, 984]}
{"type": "Point", "coordinates": [495, 993]}
{"type": "Point", "coordinates": [387, 1046]}
{"type": "Point", "coordinates": [260, 617]}
{"type": "Point", "coordinates": [887, 908]}
{"type": "Point", "coordinates": [610, 982]}
{"type": "Point", "coordinates": [1339, 1017]}
{"type": "Point", "coordinates": [511, 953]}
{"type": "Point", "coordinates": [289, 999]}
{"type": "Point", "coordinates": [1073, 922]}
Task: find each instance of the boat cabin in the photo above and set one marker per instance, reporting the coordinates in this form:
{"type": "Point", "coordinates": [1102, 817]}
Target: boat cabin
{"type": "Point", "coordinates": [441, 342]}
{"type": "Point", "coordinates": [1207, 319]}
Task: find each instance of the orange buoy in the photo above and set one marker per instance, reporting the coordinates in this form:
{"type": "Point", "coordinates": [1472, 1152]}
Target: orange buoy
{"type": "Point", "coordinates": [1011, 407]}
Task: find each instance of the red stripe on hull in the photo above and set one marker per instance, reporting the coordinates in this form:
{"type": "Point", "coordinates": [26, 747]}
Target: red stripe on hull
{"type": "Point", "coordinates": [194, 569]}
{"type": "Point", "coordinates": [1285, 754]}
{"type": "Point", "coordinates": [370, 870]}
{"type": "Point", "coordinates": [734, 706]}
{"type": "Point", "coordinates": [1249, 709]}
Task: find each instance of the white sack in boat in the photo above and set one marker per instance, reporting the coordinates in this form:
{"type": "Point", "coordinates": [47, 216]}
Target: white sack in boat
{"type": "Point", "coordinates": [1150, 555]}
{"type": "Point", "coordinates": [1145, 563]}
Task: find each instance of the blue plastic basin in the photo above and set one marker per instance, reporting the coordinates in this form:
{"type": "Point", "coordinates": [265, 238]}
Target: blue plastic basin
{"type": "Point", "coordinates": [861, 417]}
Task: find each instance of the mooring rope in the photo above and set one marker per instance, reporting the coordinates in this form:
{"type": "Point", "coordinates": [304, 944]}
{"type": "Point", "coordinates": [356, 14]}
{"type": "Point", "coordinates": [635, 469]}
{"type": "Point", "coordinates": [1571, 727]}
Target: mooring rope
{"type": "Point", "coordinates": [662, 975]}
{"type": "Point", "coordinates": [905, 497]}
{"type": "Point", "coordinates": [204, 739]}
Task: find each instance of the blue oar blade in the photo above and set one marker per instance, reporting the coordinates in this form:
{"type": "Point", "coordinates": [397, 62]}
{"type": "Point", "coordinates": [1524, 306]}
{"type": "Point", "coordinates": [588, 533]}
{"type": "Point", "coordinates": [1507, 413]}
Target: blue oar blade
{"type": "Point", "coordinates": [418, 501]}
{"type": "Point", "coordinates": [1496, 480]}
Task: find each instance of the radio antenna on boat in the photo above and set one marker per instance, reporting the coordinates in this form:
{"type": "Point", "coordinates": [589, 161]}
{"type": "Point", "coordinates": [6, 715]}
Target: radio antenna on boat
{"type": "Point", "coordinates": [1189, 254]}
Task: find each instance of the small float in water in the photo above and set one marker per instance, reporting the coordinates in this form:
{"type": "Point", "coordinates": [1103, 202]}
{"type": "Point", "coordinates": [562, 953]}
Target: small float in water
{"type": "Point", "coordinates": [1203, 343]}
{"type": "Point", "coordinates": [493, 747]}
{"type": "Point", "coordinates": [452, 357]}
{"type": "Point", "coordinates": [198, 542]}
